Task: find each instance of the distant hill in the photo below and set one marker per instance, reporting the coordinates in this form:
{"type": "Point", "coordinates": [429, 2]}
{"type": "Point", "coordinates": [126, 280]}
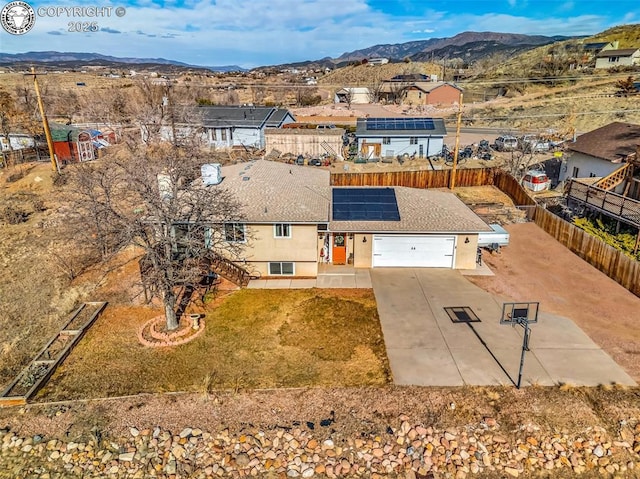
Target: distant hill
{"type": "Point", "coordinates": [76, 59]}
{"type": "Point", "coordinates": [627, 36]}
{"type": "Point", "coordinates": [466, 46]}
{"type": "Point", "coordinates": [418, 50]}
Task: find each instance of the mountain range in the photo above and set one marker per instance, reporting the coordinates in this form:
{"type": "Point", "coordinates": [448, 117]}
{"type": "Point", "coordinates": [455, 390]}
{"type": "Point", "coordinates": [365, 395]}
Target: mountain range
{"type": "Point", "coordinates": [75, 59]}
{"type": "Point", "coordinates": [468, 46]}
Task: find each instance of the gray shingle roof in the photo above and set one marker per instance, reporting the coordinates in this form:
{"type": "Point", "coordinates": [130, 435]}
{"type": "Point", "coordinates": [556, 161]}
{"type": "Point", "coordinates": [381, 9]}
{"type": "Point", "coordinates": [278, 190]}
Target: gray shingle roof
{"type": "Point", "coordinates": [281, 193]}
{"type": "Point", "coordinates": [249, 116]}
{"type": "Point", "coordinates": [612, 142]}
{"type": "Point", "coordinates": [277, 192]}
{"type": "Point", "coordinates": [420, 210]}
{"type": "Point", "coordinates": [627, 52]}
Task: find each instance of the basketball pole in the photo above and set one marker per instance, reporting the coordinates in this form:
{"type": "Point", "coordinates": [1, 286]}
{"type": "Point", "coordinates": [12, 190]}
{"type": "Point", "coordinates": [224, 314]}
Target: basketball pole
{"type": "Point", "coordinates": [525, 348]}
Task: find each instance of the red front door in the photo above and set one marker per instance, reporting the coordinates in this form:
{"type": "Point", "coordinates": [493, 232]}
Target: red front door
{"type": "Point", "coordinates": [339, 252]}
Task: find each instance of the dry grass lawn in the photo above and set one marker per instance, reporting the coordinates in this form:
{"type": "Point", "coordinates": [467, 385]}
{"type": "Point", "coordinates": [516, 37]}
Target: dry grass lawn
{"type": "Point", "coordinates": [253, 339]}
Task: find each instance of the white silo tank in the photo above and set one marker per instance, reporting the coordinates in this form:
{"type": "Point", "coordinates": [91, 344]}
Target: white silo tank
{"type": "Point", "coordinates": [211, 173]}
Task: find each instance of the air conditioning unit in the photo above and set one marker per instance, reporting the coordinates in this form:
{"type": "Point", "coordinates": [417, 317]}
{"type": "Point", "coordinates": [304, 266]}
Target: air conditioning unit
{"type": "Point", "coordinates": [211, 174]}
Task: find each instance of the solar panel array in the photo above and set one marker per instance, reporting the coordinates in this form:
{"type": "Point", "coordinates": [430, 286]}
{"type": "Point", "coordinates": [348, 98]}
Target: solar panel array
{"type": "Point", "coordinates": [400, 124]}
{"type": "Point", "coordinates": [365, 204]}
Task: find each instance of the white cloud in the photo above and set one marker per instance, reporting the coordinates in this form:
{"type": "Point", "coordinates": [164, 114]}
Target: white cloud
{"type": "Point", "coordinates": [261, 32]}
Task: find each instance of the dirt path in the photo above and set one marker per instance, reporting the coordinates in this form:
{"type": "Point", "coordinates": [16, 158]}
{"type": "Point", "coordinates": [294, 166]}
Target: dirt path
{"type": "Point", "coordinates": [535, 267]}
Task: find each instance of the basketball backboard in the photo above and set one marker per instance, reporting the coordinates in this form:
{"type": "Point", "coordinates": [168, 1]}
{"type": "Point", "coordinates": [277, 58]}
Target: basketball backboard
{"type": "Point", "coordinates": [516, 313]}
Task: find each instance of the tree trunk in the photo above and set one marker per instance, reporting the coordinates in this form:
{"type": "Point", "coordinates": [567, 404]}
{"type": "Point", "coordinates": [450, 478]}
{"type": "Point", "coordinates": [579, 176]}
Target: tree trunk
{"type": "Point", "coordinates": [170, 310]}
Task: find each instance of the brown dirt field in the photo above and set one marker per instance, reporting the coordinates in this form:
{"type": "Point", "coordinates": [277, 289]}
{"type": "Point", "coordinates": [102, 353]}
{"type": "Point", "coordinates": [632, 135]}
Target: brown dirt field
{"type": "Point", "coordinates": [535, 267]}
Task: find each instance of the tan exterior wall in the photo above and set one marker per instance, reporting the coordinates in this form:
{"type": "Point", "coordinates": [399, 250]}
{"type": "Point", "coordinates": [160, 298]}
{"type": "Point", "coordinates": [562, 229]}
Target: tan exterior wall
{"type": "Point", "coordinates": [466, 252]}
{"type": "Point", "coordinates": [301, 248]}
{"type": "Point", "coordinates": [302, 269]}
{"type": "Point", "coordinates": [304, 142]}
{"type": "Point", "coordinates": [415, 96]}
{"type": "Point", "coordinates": [362, 251]}
{"type": "Point", "coordinates": [444, 95]}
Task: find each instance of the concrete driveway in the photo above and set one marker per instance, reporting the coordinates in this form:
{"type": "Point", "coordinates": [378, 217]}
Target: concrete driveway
{"type": "Point", "coordinates": [426, 348]}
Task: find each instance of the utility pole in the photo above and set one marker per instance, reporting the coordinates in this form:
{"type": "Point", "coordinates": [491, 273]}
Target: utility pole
{"type": "Point", "coordinates": [45, 123]}
{"type": "Point", "coordinates": [452, 182]}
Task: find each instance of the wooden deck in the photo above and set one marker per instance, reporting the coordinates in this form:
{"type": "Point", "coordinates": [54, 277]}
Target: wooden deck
{"type": "Point", "coordinates": [611, 204]}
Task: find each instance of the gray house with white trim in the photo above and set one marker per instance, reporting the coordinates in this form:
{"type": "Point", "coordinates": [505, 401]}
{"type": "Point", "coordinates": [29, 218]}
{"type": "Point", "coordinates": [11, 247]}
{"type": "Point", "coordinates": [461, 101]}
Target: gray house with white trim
{"type": "Point", "coordinates": [232, 126]}
{"type": "Point", "coordinates": [391, 137]}
{"type": "Point", "coordinates": [229, 126]}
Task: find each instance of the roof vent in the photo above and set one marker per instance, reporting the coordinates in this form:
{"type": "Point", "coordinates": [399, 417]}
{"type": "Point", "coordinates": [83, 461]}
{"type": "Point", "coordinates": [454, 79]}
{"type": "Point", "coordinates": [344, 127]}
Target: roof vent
{"type": "Point", "coordinates": [245, 178]}
{"type": "Point", "coordinates": [211, 174]}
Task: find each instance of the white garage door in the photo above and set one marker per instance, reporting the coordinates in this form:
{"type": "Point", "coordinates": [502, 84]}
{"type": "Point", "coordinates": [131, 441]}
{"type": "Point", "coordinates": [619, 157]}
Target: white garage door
{"type": "Point", "coordinates": [413, 251]}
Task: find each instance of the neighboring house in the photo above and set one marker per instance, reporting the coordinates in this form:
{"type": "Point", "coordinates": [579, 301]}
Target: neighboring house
{"type": "Point", "coordinates": [390, 137]}
{"type": "Point", "coordinates": [377, 61]}
{"type": "Point", "coordinates": [235, 126]}
{"type": "Point", "coordinates": [304, 141]}
{"type": "Point", "coordinates": [355, 95]}
{"type": "Point", "coordinates": [420, 93]}
{"type": "Point", "coordinates": [294, 221]}
{"type": "Point", "coordinates": [618, 58]}
{"type": "Point", "coordinates": [602, 151]}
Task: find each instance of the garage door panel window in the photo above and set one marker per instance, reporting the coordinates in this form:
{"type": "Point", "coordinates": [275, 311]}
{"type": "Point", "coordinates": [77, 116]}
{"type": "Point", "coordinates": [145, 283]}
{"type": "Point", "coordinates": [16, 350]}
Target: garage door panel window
{"type": "Point", "coordinates": [281, 269]}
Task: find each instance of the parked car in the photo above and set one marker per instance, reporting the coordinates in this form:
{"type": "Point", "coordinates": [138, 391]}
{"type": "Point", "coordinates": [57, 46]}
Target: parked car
{"type": "Point", "coordinates": [536, 180]}
{"type": "Point", "coordinates": [326, 127]}
{"type": "Point", "coordinates": [532, 143]}
{"type": "Point", "coordinates": [315, 162]}
{"type": "Point", "coordinates": [300, 160]}
{"type": "Point", "coordinates": [506, 143]}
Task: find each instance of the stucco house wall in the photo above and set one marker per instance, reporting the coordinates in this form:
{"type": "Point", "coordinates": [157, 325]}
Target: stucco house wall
{"type": "Point", "coordinates": [263, 247]}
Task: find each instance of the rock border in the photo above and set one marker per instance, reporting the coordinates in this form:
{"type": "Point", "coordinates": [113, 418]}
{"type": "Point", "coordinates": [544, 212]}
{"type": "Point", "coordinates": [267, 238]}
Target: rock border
{"type": "Point", "coordinates": [150, 334]}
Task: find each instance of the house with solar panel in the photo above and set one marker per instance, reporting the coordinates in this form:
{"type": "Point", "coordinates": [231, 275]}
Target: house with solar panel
{"type": "Point", "coordinates": [233, 126]}
{"type": "Point", "coordinates": [392, 137]}
{"type": "Point", "coordinates": [294, 221]}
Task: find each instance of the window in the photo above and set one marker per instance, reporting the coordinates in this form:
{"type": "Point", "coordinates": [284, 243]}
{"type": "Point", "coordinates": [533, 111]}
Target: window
{"type": "Point", "coordinates": [281, 268]}
{"type": "Point", "coordinates": [413, 140]}
{"type": "Point", "coordinates": [576, 170]}
{"type": "Point", "coordinates": [234, 232]}
{"type": "Point", "coordinates": [213, 134]}
{"type": "Point", "coordinates": [223, 135]}
{"type": "Point", "coordinates": [386, 140]}
{"type": "Point", "coordinates": [614, 59]}
{"type": "Point", "coordinates": [282, 230]}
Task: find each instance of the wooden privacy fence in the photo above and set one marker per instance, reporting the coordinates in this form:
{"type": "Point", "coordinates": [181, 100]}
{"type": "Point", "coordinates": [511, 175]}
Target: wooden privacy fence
{"type": "Point", "coordinates": [615, 264]}
{"type": "Point", "coordinates": [439, 179]}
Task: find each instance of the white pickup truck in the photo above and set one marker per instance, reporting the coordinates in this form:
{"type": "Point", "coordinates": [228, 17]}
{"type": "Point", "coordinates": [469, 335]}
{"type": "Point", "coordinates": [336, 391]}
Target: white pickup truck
{"type": "Point", "coordinates": [493, 239]}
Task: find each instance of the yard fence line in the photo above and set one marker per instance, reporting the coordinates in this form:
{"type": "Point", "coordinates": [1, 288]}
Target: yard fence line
{"type": "Point", "coordinates": [439, 179]}
{"type": "Point", "coordinates": [615, 264]}
{"type": "Point", "coordinates": [623, 269]}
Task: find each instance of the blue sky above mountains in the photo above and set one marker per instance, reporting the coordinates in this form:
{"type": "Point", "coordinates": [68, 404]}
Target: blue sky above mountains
{"type": "Point", "coordinates": [261, 32]}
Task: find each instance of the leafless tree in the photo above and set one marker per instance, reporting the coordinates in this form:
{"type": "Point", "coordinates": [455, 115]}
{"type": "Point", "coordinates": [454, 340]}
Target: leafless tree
{"type": "Point", "coordinates": [519, 161]}
{"type": "Point", "coordinates": [147, 197]}
{"type": "Point", "coordinates": [374, 89]}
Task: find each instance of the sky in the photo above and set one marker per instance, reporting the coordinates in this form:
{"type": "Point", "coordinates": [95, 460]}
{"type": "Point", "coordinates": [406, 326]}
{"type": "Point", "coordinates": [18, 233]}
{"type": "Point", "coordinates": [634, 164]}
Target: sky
{"type": "Point", "coordinates": [251, 33]}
